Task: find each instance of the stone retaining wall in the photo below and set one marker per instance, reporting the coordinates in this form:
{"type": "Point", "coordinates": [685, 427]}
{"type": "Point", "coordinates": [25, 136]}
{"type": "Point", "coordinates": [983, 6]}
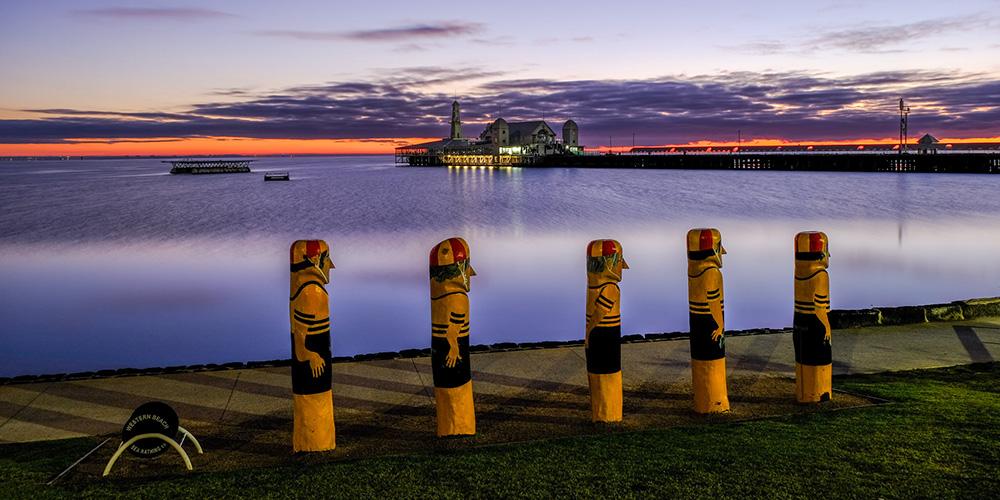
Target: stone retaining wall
{"type": "Point", "coordinates": [907, 315]}
{"type": "Point", "coordinates": [839, 319]}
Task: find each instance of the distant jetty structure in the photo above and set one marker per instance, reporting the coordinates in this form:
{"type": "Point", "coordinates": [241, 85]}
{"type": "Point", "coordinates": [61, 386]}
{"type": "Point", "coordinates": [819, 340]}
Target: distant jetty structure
{"type": "Point", "coordinates": [502, 144]}
{"type": "Point", "coordinates": [534, 144]}
{"type": "Point", "coordinates": [209, 166]}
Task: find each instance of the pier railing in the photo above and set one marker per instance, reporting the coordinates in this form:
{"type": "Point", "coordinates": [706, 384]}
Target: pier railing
{"type": "Point", "coordinates": [830, 162]}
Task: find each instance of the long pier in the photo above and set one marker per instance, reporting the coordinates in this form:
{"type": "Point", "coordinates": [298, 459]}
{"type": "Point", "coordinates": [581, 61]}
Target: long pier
{"type": "Point", "coordinates": [960, 163]}
{"type": "Point", "coordinates": [209, 166]}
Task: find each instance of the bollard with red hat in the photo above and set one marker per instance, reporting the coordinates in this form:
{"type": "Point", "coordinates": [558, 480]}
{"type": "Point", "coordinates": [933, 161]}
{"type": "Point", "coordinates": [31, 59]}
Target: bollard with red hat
{"type": "Point", "coordinates": [309, 314]}
{"type": "Point", "coordinates": [706, 309]}
{"type": "Point", "coordinates": [603, 341]}
{"type": "Point", "coordinates": [811, 323]}
{"type": "Point", "coordinates": [450, 271]}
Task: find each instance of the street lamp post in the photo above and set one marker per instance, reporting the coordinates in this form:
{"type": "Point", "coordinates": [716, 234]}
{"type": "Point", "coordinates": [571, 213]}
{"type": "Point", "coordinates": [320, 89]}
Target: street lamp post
{"type": "Point", "coordinates": [904, 112]}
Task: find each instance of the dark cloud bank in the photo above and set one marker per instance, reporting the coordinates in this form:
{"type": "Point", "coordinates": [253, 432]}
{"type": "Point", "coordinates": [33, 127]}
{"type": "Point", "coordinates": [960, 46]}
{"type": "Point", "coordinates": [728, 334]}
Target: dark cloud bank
{"type": "Point", "coordinates": [792, 106]}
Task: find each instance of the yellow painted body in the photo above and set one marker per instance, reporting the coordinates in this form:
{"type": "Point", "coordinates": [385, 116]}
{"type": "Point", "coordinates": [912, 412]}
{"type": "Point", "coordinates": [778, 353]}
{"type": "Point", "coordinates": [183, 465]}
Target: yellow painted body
{"type": "Point", "coordinates": [706, 307]}
{"type": "Point", "coordinates": [604, 271]}
{"type": "Point", "coordinates": [813, 366]}
{"type": "Point", "coordinates": [453, 399]}
{"type": "Point", "coordinates": [603, 303]}
{"type": "Point", "coordinates": [812, 383]}
{"type": "Point", "coordinates": [313, 426]}
{"type": "Point", "coordinates": [451, 309]}
{"type": "Point", "coordinates": [708, 382]}
{"type": "Point", "coordinates": [456, 413]}
{"type": "Point", "coordinates": [309, 313]}
{"type": "Point", "coordinates": [605, 397]}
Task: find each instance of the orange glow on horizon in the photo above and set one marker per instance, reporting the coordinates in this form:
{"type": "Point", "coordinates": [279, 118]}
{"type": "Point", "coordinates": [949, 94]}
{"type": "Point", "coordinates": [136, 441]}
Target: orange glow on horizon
{"type": "Point", "coordinates": [782, 142]}
{"type": "Point", "coordinates": [222, 146]}
{"type": "Point", "coordinates": [216, 146]}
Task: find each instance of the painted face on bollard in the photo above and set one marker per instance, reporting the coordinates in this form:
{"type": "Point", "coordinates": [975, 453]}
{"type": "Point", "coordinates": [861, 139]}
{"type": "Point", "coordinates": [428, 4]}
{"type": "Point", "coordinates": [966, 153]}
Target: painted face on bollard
{"type": "Point", "coordinates": [450, 264]}
{"type": "Point", "coordinates": [312, 254]}
{"type": "Point", "coordinates": [467, 272]}
{"type": "Point", "coordinates": [615, 268]}
{"type": "Point", "coordinates": [612, 261]}
{"type": "Point", "coordinates": [705, 245]}
{"type": "Point", "coordinates": [324, 264]}
{"type": "Point", "coordinates": [813, 247]}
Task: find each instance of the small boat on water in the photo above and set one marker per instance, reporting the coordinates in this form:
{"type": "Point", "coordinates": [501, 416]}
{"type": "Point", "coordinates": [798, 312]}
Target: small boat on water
{"type": "Point", "coordinates": [276, 176]}
{"type": "Point", "coordinates": [209, 166]}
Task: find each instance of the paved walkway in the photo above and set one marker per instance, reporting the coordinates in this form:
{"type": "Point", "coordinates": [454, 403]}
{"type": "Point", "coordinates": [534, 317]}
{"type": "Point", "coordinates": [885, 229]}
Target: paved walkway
{"type": "Point", "coordinates": [517, 384]}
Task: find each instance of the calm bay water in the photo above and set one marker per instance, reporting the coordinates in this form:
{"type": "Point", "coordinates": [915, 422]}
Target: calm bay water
{"type": "Point", "coordinates": [116, 263]}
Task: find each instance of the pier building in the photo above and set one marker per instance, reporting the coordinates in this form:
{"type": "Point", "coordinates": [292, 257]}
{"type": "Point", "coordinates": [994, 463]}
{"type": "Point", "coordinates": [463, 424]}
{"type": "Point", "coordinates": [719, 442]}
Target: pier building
{"type": "Point", "coordinates": [502, 143]}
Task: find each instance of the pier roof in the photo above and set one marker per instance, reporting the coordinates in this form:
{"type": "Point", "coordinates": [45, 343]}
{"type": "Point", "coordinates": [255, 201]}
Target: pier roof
{"type": "Point", "coordinates": [439, 144]}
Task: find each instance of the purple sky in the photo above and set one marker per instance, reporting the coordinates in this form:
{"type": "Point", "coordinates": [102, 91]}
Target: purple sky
{"type": "Point", "coordinates": [798, 71]}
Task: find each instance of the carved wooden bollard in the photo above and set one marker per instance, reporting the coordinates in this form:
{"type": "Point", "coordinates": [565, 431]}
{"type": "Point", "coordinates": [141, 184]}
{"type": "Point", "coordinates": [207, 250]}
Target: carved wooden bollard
{"type": "Point", "coordinates": [706, 308]}
{"type": "Point", "coordinates": [603, 341]}
{"type": "Point", "coordinates": [309, 314]}
{"type": "Point", "coordinates": [450, 271]}
{"type": "Point", "coordinates": [811, 323]}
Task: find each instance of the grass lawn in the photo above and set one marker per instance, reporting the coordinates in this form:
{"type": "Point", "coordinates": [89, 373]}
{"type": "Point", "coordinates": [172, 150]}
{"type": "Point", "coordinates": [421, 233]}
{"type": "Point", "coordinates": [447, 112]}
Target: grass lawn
{"type": "Point", "coordinates": [939, 438]}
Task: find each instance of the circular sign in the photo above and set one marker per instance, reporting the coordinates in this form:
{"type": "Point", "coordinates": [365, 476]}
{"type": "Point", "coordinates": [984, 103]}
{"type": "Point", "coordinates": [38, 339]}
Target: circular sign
{"type": "Point", "coordinates": [150, 418]}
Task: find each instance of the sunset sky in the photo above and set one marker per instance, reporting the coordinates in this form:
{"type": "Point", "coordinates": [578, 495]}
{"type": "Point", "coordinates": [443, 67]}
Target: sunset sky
{"type": "Point", "coordinates": [80, 77]}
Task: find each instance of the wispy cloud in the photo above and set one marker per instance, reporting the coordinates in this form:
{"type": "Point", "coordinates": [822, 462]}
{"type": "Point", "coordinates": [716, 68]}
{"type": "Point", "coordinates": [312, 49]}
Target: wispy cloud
{"type": "Point", "coordinates": [871, 39]}
{"type": "Point", "coordinates": [443, 30]}
{"type": "Point", "coordinates": [186, 14]}
{"type": "Point", "coordinates": [795, 106]}
{"type": "Point", "coordinates": [876, 39]}
{"type": "Point", "coordinates": [412, 32]}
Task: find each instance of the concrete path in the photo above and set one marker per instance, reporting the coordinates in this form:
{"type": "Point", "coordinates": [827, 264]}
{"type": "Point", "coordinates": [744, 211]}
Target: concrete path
{"type": "Point", "coordinates": [404, 388]}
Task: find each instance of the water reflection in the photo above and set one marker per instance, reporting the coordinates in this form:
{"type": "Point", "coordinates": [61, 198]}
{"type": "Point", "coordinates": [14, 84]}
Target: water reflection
{"type": "Point", "coordinates": [902, 196]}
{"type": "Point", "coordinates": [144, 270]}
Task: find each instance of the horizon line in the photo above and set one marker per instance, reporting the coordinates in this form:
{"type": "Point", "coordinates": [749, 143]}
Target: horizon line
{"type": "Point", "coordinates": [224, 146]}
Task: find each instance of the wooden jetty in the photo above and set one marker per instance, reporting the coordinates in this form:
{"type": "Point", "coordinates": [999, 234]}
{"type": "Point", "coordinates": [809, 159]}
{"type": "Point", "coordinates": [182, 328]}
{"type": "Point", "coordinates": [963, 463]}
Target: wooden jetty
{"type": "Point", "coordinates": [958, 163]}
{"type": "Point", "coordinates": [209, 166]}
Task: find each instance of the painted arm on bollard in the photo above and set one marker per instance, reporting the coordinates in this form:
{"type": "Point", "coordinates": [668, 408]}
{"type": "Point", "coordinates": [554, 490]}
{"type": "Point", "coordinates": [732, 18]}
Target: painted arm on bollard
{"type": "Point", "coordinates": [602, 305]}
{"type": "Point", "coordinates": [457, 317]}
{"type": "Point", "coordinates": [311, 298]}
{"type": "Point", "coordinates": [713, 285]}
{"type": "Point", "coordinates": [822, 282]}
